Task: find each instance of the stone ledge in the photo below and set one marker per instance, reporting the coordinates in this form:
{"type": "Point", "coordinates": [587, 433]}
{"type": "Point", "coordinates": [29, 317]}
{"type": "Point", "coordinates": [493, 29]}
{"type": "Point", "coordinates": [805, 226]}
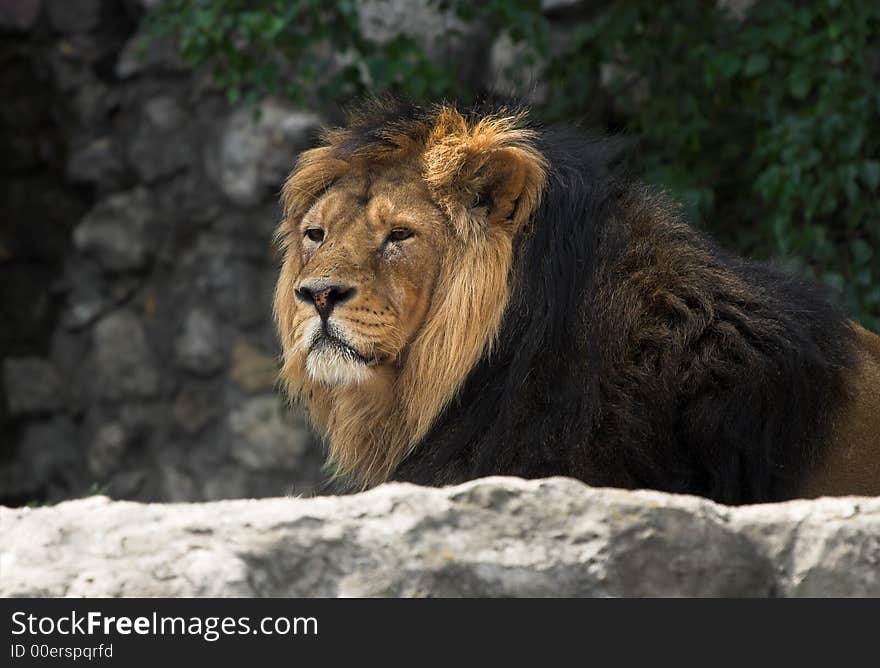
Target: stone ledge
{"type": "Point", "coordinates": [490, 537]}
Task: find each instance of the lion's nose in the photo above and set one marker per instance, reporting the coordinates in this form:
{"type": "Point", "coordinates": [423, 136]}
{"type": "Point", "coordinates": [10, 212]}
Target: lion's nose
{"type": "Point", "coordinates": [324, 297]}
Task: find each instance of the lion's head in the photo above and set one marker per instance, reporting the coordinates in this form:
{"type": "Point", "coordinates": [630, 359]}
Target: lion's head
{"type": "Point", "coordinates": [397, 243]}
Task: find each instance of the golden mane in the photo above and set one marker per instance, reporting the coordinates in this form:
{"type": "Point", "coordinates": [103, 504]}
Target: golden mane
{"type": "Point", "coordinates": [371, 427]}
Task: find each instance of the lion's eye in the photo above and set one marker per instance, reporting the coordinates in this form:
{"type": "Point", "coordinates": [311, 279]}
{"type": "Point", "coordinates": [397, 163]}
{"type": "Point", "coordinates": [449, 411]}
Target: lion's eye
{"type": "Point", "coordinates": [315, 234]}
{"type": "Point", "coordinates": [400, 234]}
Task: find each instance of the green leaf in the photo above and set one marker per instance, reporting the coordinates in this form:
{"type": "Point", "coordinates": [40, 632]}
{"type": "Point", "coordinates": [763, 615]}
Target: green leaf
{"type": "Point", "coordinates": [870, 173]}
{"type": "Point", "coordinates": [728, 65]}
{"type": "Point", "coordinates": [799, 84]}
{"type": "Point", "coordinates": [864, 277]}
{"type": "Point", "coordinates": [835, 280]}
{"type": "Point", "coordinates": [756, 64]}
{"type": "Point", "coordinates": [838, 54]}
{"type": "Point", "coordinates": [861, 251]}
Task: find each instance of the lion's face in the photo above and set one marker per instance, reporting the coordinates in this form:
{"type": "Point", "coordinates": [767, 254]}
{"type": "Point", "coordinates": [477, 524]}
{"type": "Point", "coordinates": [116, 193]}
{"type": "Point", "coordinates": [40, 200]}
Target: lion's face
{"type": "Point", "coordinates": [369, 254]}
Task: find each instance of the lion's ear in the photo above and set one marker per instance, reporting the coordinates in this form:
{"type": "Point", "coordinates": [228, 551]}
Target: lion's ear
{"type": "Point", "coordinates": [486, 174]}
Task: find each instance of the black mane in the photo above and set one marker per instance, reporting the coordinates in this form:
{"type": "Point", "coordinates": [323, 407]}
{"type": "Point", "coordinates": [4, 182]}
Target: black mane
{"type": "Point", "coordinates": [723, 390]}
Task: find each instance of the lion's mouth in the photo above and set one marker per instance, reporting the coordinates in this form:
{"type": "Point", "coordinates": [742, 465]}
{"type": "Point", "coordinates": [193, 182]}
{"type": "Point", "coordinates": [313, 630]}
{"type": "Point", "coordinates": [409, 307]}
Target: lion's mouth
{"type": "Point", "coordinates": [328, 339]}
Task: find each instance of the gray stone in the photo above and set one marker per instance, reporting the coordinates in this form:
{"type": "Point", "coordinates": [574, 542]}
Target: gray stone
{"type": "Point", "coordinates": [828, 547]}
{"type": "Point", "coordinates": [163, 112]}
{"type": "Point", "coordinates": [19, 14]}
{"type": "Point", "coordinates": [512, 73]}
{"type": "Point", "coordinates": [265, 435]}
{"type": "Point", "coordinates": [229, 482]}
{"type": "Point", "coordinates": [125, 366]}
{"type": "Point", "coordinates": [89, 300]}
{"type": "Point", "coordinates": [144, 4]}
{"type": "Point", "coordinates": [177, 485]}
{"type": "Point", "coordinates": [119, 231]}
{"type": "Point", "coordinates": [192, 199]}
{"type": "Point", "coordinates": [194, 407]}
{"type": "Point", "coordinates": [139, 419]}
{"type": "Point", "coordinates": [47, 464]}
{"type": "Point", "coordinates": [71, 60]}
{"type": "Point", "coordinates": [69, 16]}
{"type": "Point", "coordinates": [149, 55]}
{"type": "Point", "coordinates": [223, 270]}
{"type": "Point", "coordinates": [83, 310]}
{"type": "Point", "coordinates": [67, 351]}
{"type": "Point", "coordinates": [489, 537]}
{"type": "Point", "coordinates": [32, 386]}
{"type": "Point", "coordinates": [515, 71]}
{"type": "Point", "coordinates": [164, 143]}
{"type": "Point", "coordinates": [128, 483]}
{"type": "Point", "coordinates": [738, 9]}
{"type": "Point", "coordinates": [257, 149]}
{"type": "Point", "coordinates": [199, 348]}
{"type": "Point", "coordinates": [106, 449]}
{"type": "Point", "coordinates": [445, 38]}
{"type": "Point", "coordinates": [98, 162]}
{"type": "Point", "coordinates": [93, 101]}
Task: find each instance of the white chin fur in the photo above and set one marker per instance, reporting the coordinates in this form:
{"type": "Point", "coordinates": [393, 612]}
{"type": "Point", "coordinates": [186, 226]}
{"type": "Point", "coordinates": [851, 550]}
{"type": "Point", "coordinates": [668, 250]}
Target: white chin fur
{"type": "Point", "coordinates": [331, 366]}
{"type": "Point", "coordinates": [327, 365]}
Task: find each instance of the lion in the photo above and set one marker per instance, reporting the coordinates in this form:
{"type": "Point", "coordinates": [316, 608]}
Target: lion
{"type": "Point", "coordinates": [465, 293]}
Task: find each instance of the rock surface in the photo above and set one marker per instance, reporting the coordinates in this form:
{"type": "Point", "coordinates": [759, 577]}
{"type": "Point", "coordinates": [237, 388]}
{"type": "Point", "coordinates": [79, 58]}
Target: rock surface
{"type": "Point", "coordinates": [119, 232]}
{"type": "Point", "coordinates": [124, 362]}
{"type": "Point", "coordinates": [490, 537]}
{"type": "Point", "coordinates": [257, 150]}
{"type": "Point", "coordinates": [32, 385]}
{"type": "Point", "coordinates": [198, 347]}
